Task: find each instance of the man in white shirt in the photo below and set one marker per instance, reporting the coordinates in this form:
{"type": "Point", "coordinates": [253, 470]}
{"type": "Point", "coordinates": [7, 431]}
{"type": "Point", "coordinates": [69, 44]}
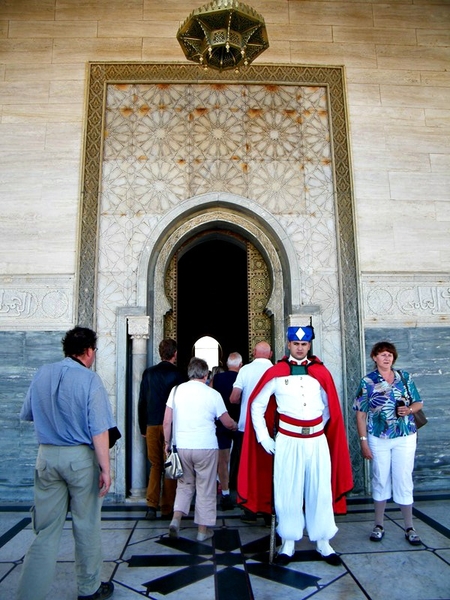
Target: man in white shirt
{"type": "Point", "coordinates": [247, 378]}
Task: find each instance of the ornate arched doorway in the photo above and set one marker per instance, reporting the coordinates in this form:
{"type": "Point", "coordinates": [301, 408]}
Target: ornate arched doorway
{"type": "Point", "coordinates": [218, 284]}
{"type": "Point", "coordinates": [268, 288]}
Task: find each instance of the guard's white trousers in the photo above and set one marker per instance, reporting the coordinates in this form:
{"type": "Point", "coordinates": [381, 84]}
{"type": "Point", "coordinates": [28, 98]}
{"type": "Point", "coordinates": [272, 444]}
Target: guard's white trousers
{"type": "Point", "coordinates": [302, 484]}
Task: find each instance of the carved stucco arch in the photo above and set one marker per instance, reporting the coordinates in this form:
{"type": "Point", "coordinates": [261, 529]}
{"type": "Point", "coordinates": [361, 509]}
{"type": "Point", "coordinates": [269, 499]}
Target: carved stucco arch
{"type": "Point", "coordinates": [225, 211]}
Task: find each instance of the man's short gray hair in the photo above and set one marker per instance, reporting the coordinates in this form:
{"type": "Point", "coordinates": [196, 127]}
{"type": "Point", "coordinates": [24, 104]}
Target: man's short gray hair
{"type": "Point", "coordinates": [197, 368]}
{"type": "Point", "coordinates": [234, 360]}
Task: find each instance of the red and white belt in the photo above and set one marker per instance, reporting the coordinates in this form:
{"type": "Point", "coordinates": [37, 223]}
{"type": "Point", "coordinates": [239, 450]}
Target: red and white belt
{"type": "Point", "coordinates": [299, 428]}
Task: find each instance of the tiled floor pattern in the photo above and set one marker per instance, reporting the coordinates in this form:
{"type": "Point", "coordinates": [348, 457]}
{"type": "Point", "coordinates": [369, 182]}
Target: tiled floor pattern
{"type": "Point", "coordinates": [143, 561]}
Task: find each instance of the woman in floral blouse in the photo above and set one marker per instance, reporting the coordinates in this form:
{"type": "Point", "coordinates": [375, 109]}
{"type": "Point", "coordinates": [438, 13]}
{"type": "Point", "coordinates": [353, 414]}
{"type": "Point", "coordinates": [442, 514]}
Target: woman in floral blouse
{"type": "Point", "coordinates": [385, 406]}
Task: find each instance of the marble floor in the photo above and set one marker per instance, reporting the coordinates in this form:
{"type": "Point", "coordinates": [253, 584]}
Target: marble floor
{"type": "Point", "coordinates": [142, 561]}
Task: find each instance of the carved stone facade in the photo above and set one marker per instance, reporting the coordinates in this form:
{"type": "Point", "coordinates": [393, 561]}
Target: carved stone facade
{"type": "Point", "coordinates": [283, 136]}
{"type": "Point", "coordinates": [170, 152]}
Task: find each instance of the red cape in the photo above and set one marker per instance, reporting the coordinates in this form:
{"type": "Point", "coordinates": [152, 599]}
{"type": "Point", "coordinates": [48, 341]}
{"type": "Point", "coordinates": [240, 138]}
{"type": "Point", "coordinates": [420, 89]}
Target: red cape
{"type": "Point", "coordinates": [254, 485]}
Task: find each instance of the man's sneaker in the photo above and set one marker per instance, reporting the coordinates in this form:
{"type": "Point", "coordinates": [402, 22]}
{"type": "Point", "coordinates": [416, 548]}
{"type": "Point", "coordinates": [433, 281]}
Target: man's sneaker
{"type": "Point", "coordinates": [267, 520]}
{"type": "Point", "coordinates": [248, 517]}
{"type": "Point", "coordinates": [226, 503]}
{"type": "Point", "coordinates": [105, 590]}
{"type": "Point", "coordinates": [150, 515]}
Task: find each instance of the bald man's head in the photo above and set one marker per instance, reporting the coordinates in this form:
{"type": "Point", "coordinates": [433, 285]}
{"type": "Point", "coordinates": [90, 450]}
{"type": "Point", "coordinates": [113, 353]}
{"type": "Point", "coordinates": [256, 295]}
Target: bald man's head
{"type": "Point", "coordinates": [262, 350]}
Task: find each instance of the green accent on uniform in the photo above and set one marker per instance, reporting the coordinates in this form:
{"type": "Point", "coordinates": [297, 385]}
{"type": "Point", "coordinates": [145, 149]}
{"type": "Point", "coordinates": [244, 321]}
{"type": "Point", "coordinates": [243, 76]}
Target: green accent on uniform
{"type": "Point", "coordinates": [298, 370]}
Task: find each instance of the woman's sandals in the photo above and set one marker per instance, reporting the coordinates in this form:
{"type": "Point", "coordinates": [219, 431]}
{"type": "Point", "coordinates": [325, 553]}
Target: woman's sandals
{"type": "Point", "coordinates": [412, 537]}
{"type": "Point", "coordinates": [377, 534]}
{"type": "Point", "coordinates": [410, 534]}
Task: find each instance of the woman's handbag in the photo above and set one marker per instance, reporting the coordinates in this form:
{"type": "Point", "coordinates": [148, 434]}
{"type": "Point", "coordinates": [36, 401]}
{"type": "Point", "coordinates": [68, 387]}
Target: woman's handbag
{"type": "Point", "coordinates": [420, 419]}
{"type": "Point", "coordinates": [173, 469]}
{"type": "Point", "coordinates": [419, 416]}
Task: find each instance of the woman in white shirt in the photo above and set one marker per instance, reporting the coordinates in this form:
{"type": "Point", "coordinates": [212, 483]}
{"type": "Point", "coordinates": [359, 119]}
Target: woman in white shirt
{"type": "Point", "coordinates": [191, 411]}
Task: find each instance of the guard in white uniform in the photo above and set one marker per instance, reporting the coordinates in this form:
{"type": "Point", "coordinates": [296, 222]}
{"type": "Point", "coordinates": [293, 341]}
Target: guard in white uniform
{"type": "Point", "coordinates": [302, 470]}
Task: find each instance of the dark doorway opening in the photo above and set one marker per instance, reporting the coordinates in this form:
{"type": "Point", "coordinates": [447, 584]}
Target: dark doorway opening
{"type": "Point", "coordinates": [213, 298]}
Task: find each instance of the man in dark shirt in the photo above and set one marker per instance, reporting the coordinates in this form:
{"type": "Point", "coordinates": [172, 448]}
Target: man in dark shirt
{"type": "Point", "coordinates": [223, 383]}
{"type": "Point", "coordinates": [157, 381]}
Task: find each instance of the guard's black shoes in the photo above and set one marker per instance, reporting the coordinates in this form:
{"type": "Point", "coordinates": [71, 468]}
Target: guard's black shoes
{"type": "Point", "coordinates": [267, 520]}
{"type": "Point", "coordinates": [282, 559]}
{"type": "Point", "coordinates": [167, 516]}
{"type": "Point", "coordinates": [331, 559]}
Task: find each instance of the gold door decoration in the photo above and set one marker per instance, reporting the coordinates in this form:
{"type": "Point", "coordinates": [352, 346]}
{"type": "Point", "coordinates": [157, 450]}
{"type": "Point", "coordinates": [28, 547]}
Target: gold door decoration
{"type": "Point", "coordinates": [170, 287]}
{"type": "Point", "coordinates": [259, 288]}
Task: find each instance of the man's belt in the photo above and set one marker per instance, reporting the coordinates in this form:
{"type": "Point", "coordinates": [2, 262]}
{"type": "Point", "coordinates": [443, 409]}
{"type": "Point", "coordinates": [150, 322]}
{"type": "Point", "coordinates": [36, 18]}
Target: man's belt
{"type": "Point", "coordinates": [299, 428]}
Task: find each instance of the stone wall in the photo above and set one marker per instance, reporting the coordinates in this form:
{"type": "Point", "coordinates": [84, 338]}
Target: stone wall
{"type": "Point", "coordinates": [396, 60]}
{"type": "Point", "coordinates": [424, 353]}
{"type": "Point", "coordinates": [21, 354]}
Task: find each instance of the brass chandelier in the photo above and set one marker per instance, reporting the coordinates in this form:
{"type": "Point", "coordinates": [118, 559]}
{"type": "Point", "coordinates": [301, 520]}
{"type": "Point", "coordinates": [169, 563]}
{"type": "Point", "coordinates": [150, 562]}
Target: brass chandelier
{"type": "Point", "coordinates": [223, 35]}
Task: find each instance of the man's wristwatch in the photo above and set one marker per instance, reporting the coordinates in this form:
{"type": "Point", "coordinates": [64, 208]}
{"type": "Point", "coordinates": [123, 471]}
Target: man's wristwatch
{"type": "Point", "coordinates": [363, 438]}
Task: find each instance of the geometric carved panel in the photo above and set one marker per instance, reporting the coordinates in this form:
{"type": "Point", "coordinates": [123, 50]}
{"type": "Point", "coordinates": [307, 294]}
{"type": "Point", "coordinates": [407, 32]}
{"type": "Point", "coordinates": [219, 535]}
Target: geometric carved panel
{"type": "Point", "coordinates": [271, 117]}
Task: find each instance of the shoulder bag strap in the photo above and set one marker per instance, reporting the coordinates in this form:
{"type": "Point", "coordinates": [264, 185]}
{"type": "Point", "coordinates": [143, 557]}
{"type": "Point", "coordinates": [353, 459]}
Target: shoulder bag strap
{"type": "Point", "coordinates": [173, 418]}
{"type": "Point", "coordinates": [405, 383]}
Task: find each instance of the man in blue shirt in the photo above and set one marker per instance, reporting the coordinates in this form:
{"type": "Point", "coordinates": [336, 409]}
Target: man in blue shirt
{"type": "Point", "coordinates": [72, 415]}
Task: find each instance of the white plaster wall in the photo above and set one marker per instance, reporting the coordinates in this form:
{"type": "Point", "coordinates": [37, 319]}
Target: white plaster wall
{"type": "Point", "coordinates": [396, 57]}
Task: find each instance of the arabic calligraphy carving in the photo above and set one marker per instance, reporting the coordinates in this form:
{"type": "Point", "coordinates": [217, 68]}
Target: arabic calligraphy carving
{"type": "Point", "coordinates": [35, 302]}
{"type": "Point", "coordinates": [17, 303]}
{"type": "Point", "coordinates": [407, 299]}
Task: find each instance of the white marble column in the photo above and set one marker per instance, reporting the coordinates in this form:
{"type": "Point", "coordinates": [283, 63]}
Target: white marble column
{"type": "Point", "coordinates": [138, 330]}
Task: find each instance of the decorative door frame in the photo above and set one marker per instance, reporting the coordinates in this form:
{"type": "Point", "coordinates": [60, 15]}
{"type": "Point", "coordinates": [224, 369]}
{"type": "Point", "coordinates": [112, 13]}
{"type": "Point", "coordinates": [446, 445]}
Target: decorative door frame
{"type": "Point", "coordinates": [226, 212]}
{"type": "Point", "coordinates": [101, 74]}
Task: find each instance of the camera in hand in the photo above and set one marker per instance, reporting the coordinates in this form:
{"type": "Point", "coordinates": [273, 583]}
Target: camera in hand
{"type": "Point", "coordinates": [397, 404]}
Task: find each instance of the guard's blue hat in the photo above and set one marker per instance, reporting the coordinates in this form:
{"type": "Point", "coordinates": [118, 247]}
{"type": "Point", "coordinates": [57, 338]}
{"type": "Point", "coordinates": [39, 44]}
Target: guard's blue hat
{"type": "Point", "coordinates": [300, 334]}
